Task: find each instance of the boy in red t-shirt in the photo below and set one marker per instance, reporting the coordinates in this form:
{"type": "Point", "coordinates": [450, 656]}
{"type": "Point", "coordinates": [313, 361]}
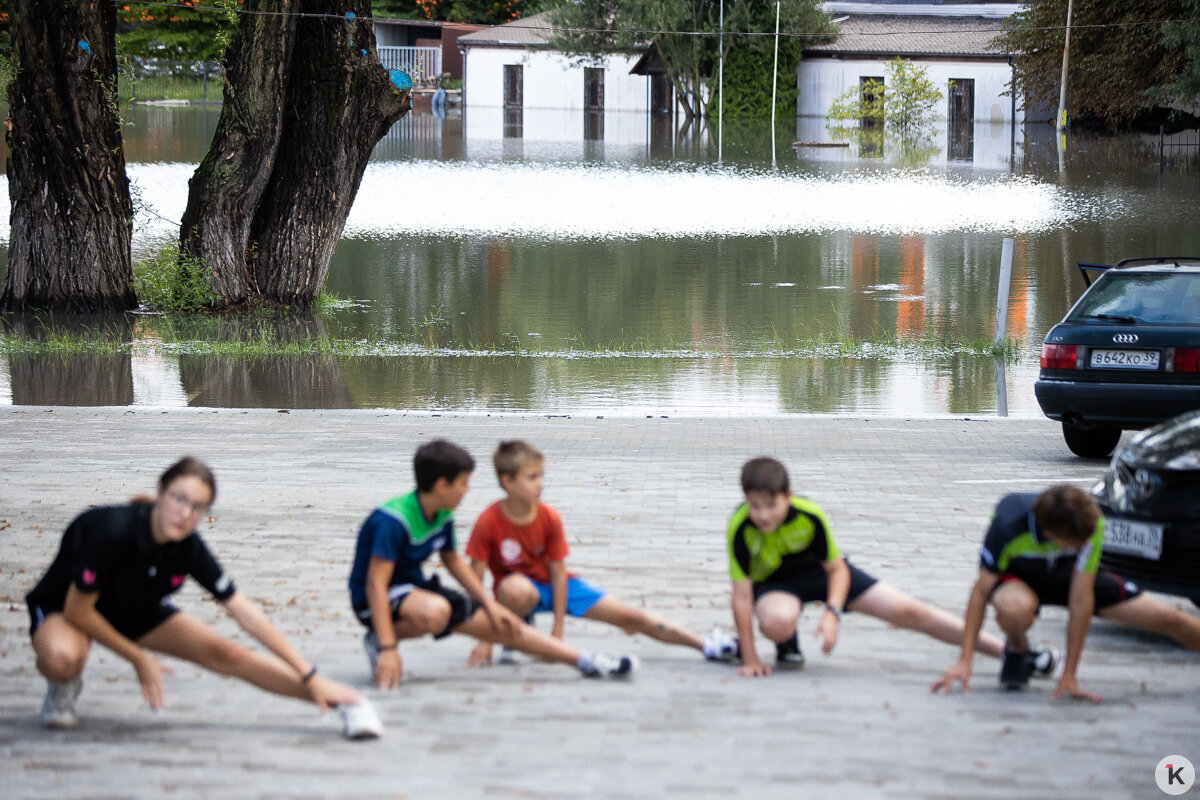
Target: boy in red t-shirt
{"type": "Point", "coordinates": [521, 539]}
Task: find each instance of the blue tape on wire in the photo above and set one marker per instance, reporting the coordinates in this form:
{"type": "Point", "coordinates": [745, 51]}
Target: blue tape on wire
{"type": "Point", "coordinates": [350, 15]}
{"type": "Point", "coordinates": [400, 79]}
{"type": "Point", "coordinates": [84, 46]}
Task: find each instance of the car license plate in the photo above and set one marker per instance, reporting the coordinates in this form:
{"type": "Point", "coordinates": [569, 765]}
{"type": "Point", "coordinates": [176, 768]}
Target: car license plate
{"type": "Point", "coordinates": [1135, 538]}
{"type": "Point", "coordinates": [1125, 359]}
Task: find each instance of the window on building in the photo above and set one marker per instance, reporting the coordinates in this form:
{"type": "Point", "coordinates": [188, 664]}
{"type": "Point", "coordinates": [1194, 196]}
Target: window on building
{"type": "Point", "coordinates": [514, 108]}
{"type": "Point", "coordinates": [593, 104]}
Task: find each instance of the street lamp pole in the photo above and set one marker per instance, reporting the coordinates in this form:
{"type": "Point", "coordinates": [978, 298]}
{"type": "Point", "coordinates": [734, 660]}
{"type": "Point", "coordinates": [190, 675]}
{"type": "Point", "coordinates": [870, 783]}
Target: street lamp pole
{"type": "Point", "coordinates": [721, 86]}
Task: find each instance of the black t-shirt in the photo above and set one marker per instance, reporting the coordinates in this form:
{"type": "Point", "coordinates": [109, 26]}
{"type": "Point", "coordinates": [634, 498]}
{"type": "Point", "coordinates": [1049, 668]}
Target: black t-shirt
{"type": "Point", "coordinates": [112, 551]}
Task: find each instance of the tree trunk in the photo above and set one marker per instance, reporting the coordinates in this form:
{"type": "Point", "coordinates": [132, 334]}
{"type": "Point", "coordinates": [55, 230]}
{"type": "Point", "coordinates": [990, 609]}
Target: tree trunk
{"type": "Point", "coordinates": [229, 183]}
{"type": "Point", "coordinates": [340, 103]}
{"type": "Point", "coordinates": [306, 101]}
{"type": "Point", "coordinates": [71, 216]}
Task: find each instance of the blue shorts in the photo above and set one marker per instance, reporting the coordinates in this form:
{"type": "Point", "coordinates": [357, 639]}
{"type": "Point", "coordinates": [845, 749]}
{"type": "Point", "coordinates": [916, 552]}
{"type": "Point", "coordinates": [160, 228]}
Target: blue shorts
{"type": "Point", "coordinates": [581, 596]}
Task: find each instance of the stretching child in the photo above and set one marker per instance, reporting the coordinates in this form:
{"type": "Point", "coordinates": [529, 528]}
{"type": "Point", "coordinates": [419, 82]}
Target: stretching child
{"type": "Point", "coordinates": [394, 600]}
{"type": "Point", "coordinates": [521, 539]}
{"type": "Point", "coordinates": [782, 555]}
{"type": "Point", "coordinates": [1045, 550]}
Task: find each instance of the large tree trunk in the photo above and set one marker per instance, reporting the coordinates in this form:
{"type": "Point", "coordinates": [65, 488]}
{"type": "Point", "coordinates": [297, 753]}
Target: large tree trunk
{"type": "Point", "coordinates": [340, 103]}
{"type": "Point", "coordinates": [230, 181]}
{"type": "Point", "coordinates": [306, 102]}
{"type": "Point", "coordinates": [71, 220]}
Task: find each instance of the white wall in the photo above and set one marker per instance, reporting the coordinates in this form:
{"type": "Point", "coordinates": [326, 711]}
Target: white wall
{"type": "Point", "coordinates": [992, 145]}
{"type": "Point", "coordinates": [555, 125]}
{"type": "Point", "coordinates": [820, 80]}
{"type": "Point", "coordinates": [551, 81]}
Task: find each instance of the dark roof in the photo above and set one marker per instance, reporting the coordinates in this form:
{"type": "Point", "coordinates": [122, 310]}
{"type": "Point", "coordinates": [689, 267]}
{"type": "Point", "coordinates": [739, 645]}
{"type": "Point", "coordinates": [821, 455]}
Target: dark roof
{"type": "Point", "coordinates": [912, 37]}
{"type": "Point", "coordinates": [527, 32]}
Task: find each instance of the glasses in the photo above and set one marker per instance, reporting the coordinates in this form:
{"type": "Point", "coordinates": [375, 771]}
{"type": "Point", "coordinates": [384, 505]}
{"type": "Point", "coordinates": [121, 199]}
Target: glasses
{"type": "Point", "coordinates": [181, 500]}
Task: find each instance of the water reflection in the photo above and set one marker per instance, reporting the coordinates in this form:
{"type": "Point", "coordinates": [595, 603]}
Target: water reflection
{"type": "Point", "coordinates": [69, 379]}
{"type": "Point", "coordinates": [585, 236]}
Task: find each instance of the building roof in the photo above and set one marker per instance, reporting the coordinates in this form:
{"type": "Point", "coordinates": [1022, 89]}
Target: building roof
{"type": "Point", "coordinates": [964, 8]}
{"type": "Point", "coordinates": [527, 32]}
{"type": "Point", "coordinates": [887, 36]}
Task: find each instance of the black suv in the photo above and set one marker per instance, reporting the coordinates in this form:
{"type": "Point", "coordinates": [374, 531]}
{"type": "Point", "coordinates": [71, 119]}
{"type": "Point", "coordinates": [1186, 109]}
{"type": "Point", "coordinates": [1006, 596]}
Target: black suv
{"type": "Point", "coordinates": [1150, 497]}
{"type": "Point", "coordinates": [1127, 355]}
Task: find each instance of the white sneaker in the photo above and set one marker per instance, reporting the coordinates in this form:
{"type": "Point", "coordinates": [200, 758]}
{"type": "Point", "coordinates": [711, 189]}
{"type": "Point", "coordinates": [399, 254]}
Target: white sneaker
{"type": "Point", "coordinates": [1043, 661]}
{"type": "Point", "coordinates": [508, 656]}
{"type": "Point", "coordinates": [607, 665]}
{"type": "Point", "coordinates": [58, 709]}
{"type": "Point", "coordinates": [360, 720]}
{"type": "Point", "coordinates": [721, 646]}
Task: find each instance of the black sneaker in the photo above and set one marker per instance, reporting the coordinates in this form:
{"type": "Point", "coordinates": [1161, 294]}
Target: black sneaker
{"type": "Point", "coordinates": [1015, 667]}
{"type": "Point", "coordinates": [1043, 661]}
{"type": "Point", "coordinates": [788, 654]}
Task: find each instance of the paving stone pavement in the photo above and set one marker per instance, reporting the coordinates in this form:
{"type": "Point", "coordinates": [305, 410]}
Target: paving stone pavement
{"type": "Point", "coordinates": [644, 501]}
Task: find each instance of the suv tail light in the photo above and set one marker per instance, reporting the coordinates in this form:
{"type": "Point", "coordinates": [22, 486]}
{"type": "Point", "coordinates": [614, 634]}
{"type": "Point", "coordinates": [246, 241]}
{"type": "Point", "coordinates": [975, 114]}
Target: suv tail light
{"type": "Point", "coordinates": [1061, 356]}
{"type": "Point", "coordinates": [1187, 359]}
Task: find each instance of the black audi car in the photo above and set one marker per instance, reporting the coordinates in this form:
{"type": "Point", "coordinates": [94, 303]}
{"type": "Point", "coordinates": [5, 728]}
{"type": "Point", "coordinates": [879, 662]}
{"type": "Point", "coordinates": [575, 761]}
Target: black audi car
{"type": "Point", "coordinates": [1127, 354]}
{"type": "Point", "coordinates": [1150, 497]}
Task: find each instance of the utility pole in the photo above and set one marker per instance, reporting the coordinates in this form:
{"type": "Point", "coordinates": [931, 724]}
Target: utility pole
{"type": "Point", "coordinates": [721, 86]}
{"type": "Point", "coordinates": [1062, 87]}
{"type": "Point", "coordinates": [774, 81]}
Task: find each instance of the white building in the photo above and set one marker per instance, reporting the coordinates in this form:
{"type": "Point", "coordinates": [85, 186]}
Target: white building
{"type": "Point", "coordinates": [952, 43]}
{"type": "Point", "coordinates": [516, 86]}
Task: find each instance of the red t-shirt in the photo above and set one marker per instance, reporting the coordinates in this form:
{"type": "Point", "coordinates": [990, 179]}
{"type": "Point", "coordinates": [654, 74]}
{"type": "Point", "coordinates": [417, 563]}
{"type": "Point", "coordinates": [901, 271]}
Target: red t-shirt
{"type": "Point", "coordinates": [511, 548]}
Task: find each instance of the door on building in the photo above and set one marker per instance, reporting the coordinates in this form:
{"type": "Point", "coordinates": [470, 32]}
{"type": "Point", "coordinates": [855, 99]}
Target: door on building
{"type": "Point", "coordinates": [593, 104]}
{"type": "Point", "coordinates": [514, 101]}
{"type": "Point", "coordinates": [960, 116]}
{"type": "Point", "coordinates": [661, 93]}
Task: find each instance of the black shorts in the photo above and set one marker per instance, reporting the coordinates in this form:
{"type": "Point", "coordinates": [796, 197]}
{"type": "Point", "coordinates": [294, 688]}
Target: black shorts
{"type": "Point", "coordinates": [461, 606]}
{"type": "Point", "coordinates": [813, 587]}
{"type": "Point", "coordinates": [1054, 590]}
{"type": "Point", "coordinates": [131, 625]}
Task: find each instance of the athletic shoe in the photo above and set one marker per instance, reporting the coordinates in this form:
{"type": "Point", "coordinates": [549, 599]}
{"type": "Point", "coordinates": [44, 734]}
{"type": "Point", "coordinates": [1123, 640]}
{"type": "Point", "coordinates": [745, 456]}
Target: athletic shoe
{"type": "Point", "coordinates": [1015, 667]}
{"type": "Point", "coordinates": [360, 721]}
{"type": "Point", "coordinates": [1043, 661]}
{"type": "Point", "coordinates": [371, 645]}
{"type": "Point", "coordinates": [508, 657]}
{"type": "Point", "coordinates": [58, 710]}
{"type": "Point", "coordinates": [607, 665]}
{"type": "Point", "coordinates": [788, 654]}
{"type": "Point", "coordinates": [720, 645]}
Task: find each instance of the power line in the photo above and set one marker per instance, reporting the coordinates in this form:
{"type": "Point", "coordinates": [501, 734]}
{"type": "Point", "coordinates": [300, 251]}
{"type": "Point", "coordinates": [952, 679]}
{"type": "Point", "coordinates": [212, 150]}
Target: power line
{"type": "Point", "coordinates": [651, 32]}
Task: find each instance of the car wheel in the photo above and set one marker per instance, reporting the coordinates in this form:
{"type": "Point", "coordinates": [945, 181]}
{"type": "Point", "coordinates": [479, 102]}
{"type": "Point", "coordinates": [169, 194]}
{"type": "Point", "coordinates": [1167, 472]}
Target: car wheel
{"type": "Point", "coordinates": [1091, 442]}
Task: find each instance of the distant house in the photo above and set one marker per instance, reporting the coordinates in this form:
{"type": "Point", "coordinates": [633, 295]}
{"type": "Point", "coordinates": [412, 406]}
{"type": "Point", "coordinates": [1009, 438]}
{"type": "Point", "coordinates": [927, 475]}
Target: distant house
{"type": "Point", "coordinates": [950, 41]}
{"type": "Point", "coordinates": [422, 48]}
{"type": "Point", "coordinates": [515, 85]}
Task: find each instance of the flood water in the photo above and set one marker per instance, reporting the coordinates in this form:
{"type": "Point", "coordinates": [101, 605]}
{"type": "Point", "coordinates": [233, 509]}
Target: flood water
{"type": "Point", "coordinates": [637, 275]}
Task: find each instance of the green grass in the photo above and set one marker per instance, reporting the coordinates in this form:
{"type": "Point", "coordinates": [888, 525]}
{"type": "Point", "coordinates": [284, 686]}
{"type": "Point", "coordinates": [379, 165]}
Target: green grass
{"type": "Point", "coordinates": [172, 281]}
{"type": "Point", "coordinates": [257, 338]}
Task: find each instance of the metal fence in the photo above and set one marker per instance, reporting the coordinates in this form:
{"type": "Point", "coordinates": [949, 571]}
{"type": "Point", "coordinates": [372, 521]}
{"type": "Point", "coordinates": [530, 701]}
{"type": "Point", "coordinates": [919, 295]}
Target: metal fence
{"type": "Point", "coordinates": [155, 79]}
{"type": "Point", "coordinates": [1183, 152]}
{"type": "Point", "coordinates": [421, 63]}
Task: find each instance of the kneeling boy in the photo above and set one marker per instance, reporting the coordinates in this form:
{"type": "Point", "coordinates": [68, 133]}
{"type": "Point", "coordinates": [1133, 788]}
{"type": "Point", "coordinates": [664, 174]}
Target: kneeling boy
{"type": "Point", "coordinates": [782, 555]}
{"type": "Point", "coordinates": [392, 597]}
{"type": "Point", "coordinates": [1045, 550]}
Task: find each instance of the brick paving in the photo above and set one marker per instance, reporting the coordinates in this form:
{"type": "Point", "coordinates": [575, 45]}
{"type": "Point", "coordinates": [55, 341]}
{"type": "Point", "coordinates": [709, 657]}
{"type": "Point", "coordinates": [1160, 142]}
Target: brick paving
{"type": "Point", "coordinates": [645, 502]}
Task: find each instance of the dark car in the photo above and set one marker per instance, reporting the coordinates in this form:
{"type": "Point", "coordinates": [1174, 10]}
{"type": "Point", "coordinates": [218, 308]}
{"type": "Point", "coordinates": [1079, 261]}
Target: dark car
{"type": "Point", "coordinates": [1150, 497]}
{"type": "Point", "coordinates": [1127, 354]}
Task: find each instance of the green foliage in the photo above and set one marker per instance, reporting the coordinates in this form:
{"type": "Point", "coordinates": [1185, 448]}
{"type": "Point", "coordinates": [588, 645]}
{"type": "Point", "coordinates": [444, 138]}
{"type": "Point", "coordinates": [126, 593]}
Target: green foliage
{"type": "Point", "coordinates": [482, 12]}
{"type": "Point", "coordinates": [905, 101]}
{"type": "Point", "coordinates": [1113, 72]}
{"type": "Point", "coordinates": [173, 281]}
{"type": "Point", "coordinates": [589, 30]}
{"type": "Point", "coordinates": [176, 30]}
{"type": "Point", "coordinates": [748, 82]}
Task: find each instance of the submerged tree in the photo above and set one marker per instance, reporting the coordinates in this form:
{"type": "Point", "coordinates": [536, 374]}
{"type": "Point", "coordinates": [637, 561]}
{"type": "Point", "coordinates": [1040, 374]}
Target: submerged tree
{"type": "Point", "coordinates": [71, 214]}
{"type": "Point", "coordinates": [904, 100]}
{"type": "Point", "coordinates": [306, 101]}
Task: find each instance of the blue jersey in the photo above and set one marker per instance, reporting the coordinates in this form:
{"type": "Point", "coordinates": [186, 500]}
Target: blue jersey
{"type": "Point", "coordinates": [398, 531]}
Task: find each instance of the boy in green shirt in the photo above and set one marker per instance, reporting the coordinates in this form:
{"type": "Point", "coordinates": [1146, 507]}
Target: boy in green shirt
{"type": "Point", "coordinates": [782, 555]}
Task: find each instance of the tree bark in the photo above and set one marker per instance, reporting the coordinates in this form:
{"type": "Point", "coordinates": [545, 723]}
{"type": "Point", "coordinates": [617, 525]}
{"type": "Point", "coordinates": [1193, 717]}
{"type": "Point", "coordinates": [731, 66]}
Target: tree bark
{"type": "Point", "coordinates": [306, 102]}
{"type": "Point", "coordinates": [229, 183]}
{"type": "Point", "coordinates": [71, 218]}
{"type": "Point", "coordinates": [340, 103]}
